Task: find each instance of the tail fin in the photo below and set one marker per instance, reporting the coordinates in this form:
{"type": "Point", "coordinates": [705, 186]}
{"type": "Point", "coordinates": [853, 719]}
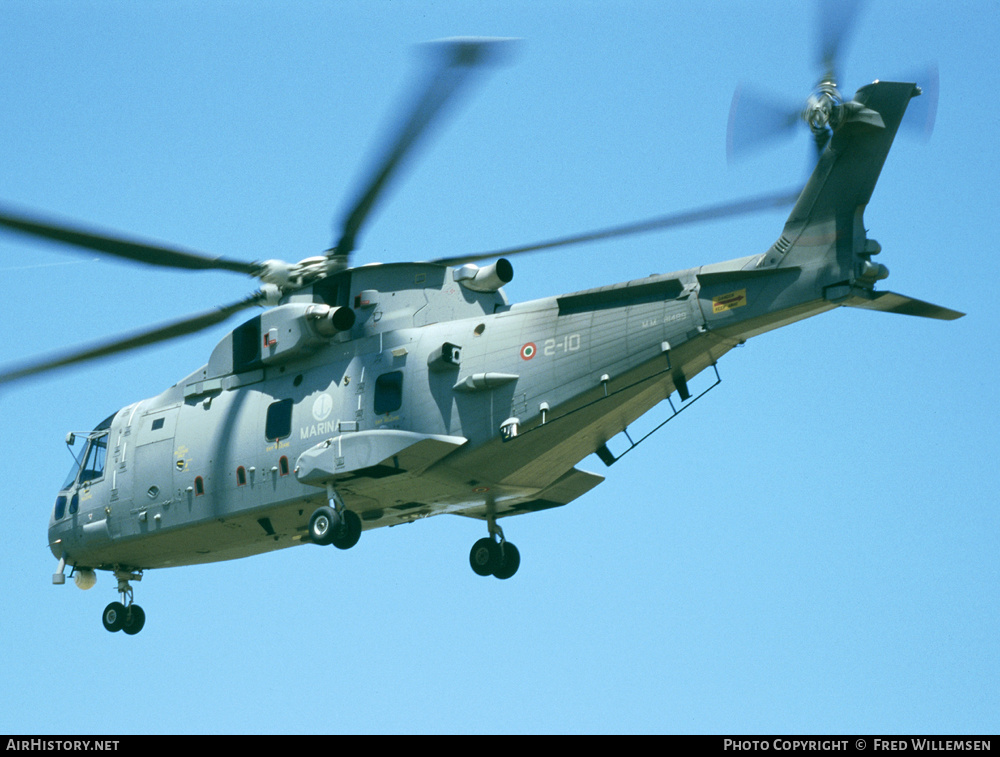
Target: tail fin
{"type": "Point", "coordinates": [825, 232]}
{"type": "Point", "coordinates": [845, 177]}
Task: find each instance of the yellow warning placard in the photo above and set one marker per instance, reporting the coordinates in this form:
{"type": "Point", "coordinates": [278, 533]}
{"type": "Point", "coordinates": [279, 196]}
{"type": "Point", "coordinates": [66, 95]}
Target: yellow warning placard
{"type": "Point", "coordinates": [729, 301]}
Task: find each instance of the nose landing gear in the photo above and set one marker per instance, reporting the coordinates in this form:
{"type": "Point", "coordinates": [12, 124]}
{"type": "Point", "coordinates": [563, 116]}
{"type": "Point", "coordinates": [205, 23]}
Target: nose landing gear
{"type": "Point", "coordinates": [124, 616]}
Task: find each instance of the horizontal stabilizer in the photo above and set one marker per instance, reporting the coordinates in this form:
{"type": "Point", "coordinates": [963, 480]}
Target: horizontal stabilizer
{"type": "Point", "coordinates": [890, 302]}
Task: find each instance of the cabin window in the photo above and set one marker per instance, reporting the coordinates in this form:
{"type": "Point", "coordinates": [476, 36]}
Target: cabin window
{"type": "Point", "coordinates": [279, 420]}
{"type": "Point", "coordinates": [199, 486]}
{"type": "Point", "coordinates": [241, 476]}
{"type": "Point", "coordinates": [388, 392]}
{"type": "Point", "coordinates": [60, 510]}
{"type": "Point", "coordinates": [283, 466]}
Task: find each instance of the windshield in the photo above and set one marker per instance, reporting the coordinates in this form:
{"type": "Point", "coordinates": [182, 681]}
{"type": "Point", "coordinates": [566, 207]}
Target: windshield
{"type": "Point", "coordinates": [90, 460]}
{"type": "Point", "coordinates": [77, 462]}
{"type": "Point", "coordinates": [97, 453]}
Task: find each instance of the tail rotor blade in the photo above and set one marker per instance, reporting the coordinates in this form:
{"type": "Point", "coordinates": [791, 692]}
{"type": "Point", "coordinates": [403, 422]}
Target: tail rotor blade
{"type": "Point", "coordinates": [756, 119]}
{"type": "Point", "coordinates": [922, 111]}
{"type": "Point", "coordinates": [836, 21]}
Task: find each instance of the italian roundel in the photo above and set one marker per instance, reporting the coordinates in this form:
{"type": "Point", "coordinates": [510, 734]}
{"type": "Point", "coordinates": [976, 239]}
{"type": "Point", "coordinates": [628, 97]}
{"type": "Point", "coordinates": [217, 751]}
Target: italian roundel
{"type": "Point", "coordinates": [528, 351]}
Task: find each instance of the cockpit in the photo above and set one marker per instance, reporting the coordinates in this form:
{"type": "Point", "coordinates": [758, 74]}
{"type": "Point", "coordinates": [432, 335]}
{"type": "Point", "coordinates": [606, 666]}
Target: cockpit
{"type": "Point", "coordinates": [88, 465]}
{"type": "Point", "coordinates": [90, 461]}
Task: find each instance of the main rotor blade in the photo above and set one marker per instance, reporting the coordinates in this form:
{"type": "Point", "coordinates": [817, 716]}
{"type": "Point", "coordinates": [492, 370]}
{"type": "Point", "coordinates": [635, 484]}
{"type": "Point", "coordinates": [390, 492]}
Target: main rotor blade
{"type": "Point", "coordinates": [135, 340]}
{"type": "Point", "coordinates": [119, 246]}
{"type": "Point", "coordinates": [710, 213]}
{"type": "Point", "coordinates": [454, 60]}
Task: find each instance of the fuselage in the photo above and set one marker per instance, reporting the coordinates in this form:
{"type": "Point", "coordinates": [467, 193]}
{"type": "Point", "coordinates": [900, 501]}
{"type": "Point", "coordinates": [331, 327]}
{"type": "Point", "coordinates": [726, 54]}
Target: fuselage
{"type": "Point", "coordinates": [441, 397]}
{"type": "Point", "coordinates": [513, 397]}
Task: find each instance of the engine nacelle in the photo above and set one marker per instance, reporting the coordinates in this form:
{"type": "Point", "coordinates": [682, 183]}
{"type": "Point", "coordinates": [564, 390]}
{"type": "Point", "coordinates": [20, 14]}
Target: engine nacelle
{"type": "Point", "coordinates": [330, 321]}
{"type": "Point", "coordinates": [488, 279]}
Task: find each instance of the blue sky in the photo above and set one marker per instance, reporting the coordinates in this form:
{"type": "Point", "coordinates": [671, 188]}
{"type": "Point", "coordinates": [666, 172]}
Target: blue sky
{"type": "Point", "coordinates": [812, 548]}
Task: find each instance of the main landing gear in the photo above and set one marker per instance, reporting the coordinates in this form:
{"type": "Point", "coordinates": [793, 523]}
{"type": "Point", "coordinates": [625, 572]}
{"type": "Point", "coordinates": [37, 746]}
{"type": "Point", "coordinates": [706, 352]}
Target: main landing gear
{"type": "Point", "coordinates": [493, 555]}
{"type": "Point", "coordinates": [124, 616]}
{"type": "Point", "coordinates": [335, 524]}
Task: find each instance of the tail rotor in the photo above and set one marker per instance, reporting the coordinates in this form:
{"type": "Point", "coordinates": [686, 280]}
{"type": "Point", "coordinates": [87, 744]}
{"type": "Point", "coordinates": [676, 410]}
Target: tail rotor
{"type": "Point", "coordinates": [757, 120]}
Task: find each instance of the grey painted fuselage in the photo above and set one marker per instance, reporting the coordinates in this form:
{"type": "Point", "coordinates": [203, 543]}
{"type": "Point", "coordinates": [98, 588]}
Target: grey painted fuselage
{"type": "Point", "coordinates": [444, 398]}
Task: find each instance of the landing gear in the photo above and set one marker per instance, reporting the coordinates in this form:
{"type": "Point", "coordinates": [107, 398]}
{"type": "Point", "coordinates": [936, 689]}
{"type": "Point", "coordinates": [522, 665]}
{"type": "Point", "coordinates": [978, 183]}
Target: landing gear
{"type": "Point", "coordinates": [510, 561]}
{"type": "Point", "coordinates": [485, 557]}
{"type": "Point", "coordinates": [349, 531]}
{"type": "Point", "coordinates": [135, 619]}
{"type": "Point", "coordinates": [118, 617]}
{"type": "Point", "coordinates": [335, 524]}
{"type": "Point", "coordinates": [494, 555]}
{"type": "Point", "coordinates": [322, 524]}
{"type": "Point", "coordinates": [124, 616]}
{"type": "Point", "coordinates": [114, 617]}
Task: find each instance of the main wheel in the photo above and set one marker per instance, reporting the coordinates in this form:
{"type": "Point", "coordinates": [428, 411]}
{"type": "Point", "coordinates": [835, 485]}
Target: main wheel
{"type": "Point", "coordinates": [114, 616]}
{"type": "Point", "coordinates": [135, 619]}
{"type": "Point", "coordinates": [323, 525]}
{"type": "Point", "coordinates": [509, 562]}
{"type": "Point", "coordinates": [346, 535]}
{"type": "Point", "coordinates": [484, 557]}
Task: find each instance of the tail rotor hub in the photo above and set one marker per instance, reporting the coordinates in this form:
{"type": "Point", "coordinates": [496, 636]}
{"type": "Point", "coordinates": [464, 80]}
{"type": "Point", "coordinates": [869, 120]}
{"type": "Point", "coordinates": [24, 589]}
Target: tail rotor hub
{"type": "Point", "coordinates": [824, 107]}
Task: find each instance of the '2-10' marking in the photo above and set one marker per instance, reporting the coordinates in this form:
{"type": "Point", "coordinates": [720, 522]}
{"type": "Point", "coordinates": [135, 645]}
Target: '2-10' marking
{"type": "Point", "coordinates": [569, 343]}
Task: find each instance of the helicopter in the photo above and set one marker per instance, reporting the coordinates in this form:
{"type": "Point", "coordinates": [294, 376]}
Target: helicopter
{"type": "Point", "coordinates": [375, 395]}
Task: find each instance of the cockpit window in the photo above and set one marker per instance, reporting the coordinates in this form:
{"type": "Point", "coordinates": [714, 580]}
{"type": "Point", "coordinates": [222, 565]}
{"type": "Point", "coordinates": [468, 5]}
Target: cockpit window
{"type": "Point", "coordinates": [97, 455]}
{"type": "Point", "coordinates": [89, 462]}
{"type": "Point", "coordinates": [71, 476]}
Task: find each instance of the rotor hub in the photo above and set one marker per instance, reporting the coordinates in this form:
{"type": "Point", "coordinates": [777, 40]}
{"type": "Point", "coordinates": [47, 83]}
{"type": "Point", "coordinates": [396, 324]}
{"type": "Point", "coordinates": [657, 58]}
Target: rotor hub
{"type": "Point", "coordinates": [824, 107]}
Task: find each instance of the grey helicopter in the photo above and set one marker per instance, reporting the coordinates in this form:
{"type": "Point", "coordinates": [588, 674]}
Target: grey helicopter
{"type": "Point", "coordinates": [375, 395]}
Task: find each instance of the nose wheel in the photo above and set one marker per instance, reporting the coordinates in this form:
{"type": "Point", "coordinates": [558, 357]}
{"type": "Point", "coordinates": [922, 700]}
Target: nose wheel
{"type": "Point", "coordinates": [494, 556]}
{"type": "Point", "coordinates": [125, 615]}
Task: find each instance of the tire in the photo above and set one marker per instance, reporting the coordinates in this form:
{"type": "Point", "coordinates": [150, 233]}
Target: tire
{"type": "Point", "coordinates": [134, 621]}
{"type": "Point", "coordinates": [484, 557]}
{"type": "Point", "coordinates": [349, 531]}
{"type": "Point", "coordinates": [114, 616]}
{"type": "Point", "coordinates": [510, 561]}
{"type": "Point", "coordinates": [323, 525]}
